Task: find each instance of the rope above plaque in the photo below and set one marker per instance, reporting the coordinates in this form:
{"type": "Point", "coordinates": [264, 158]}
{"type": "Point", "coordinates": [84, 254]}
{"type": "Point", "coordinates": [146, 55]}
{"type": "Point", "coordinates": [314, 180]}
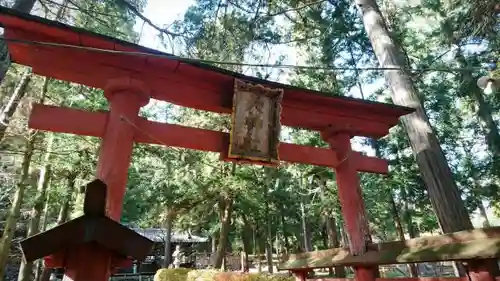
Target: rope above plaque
{"type": "Point", "coordinates": [255, 124]}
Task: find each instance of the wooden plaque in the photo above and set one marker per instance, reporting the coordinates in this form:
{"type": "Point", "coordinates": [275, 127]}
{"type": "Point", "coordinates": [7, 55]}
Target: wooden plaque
{"type": "Point", "coordinates": [256, 125]}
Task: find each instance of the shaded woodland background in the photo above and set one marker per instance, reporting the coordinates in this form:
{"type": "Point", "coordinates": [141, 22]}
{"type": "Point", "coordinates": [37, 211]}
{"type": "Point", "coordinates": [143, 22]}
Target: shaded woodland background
{"type": "Point", "coordinates": [442, 48]}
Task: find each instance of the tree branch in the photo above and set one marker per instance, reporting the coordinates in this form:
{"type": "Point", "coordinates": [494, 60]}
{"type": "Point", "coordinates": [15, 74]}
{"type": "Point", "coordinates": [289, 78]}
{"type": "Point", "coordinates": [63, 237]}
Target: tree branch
{"type": "Point", "coordinates": [148, 21]}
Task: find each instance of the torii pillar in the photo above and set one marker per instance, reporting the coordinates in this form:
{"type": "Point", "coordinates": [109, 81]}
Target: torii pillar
{"type": "Point", "coordinates": [351, 198]}
{"type": "Point", "coordinates": [126, 96]}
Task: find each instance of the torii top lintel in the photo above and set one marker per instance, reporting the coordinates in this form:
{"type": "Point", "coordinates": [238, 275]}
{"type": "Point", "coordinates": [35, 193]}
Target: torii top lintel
{"type": "Point", "coordinates": [173, 79]}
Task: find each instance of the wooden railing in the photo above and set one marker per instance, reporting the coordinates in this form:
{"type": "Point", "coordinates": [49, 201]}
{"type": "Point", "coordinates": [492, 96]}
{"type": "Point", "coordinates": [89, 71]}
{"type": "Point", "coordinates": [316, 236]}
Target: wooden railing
{"type": "Point", "coordinates": [478, 248]}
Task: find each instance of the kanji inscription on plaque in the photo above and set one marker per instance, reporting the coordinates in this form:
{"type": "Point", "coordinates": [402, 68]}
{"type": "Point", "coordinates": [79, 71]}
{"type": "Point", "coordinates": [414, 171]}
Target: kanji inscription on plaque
{"type": "Point", "coordinates": [256, 123]}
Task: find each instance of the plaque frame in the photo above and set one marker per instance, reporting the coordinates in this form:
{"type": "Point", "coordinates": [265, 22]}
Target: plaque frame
{"type": "Point", "coordinates": [254, 98]}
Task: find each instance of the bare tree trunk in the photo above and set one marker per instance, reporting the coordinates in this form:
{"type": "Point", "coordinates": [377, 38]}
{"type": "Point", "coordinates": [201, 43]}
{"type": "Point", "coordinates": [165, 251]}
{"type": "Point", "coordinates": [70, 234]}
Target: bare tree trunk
{"type": "Point", "coordinates": [246, 239]}
{"type": "Point", "coordinates": [10, 224]}
{"type": "Point", "coordinates": [484, 110]}
{"type": "Point", "coordinates": [225, 212]}
{"type": "Point", "coordinates": [66, 204]}
{"type": "Point", "coordinates": [333, 241]}
{"type": "Point", "coordinates": [258, 248]}
{"type": "Point", "coordinates": [305, 228]}
{"type": "Point", "coordinates": [399, 227]}
{"type": "Point", "coordinates": [482, 211]}
{"type": "Point", "coordinates": [343, 234]}
{"type": "Point", "coordinates": [26, 269]}
{"type": "Point", "coordinates": [485, 114]}
{"type": "Point", "coordinates": [214, 243]}
{"type": "Point", "coordinates": [45, 276]}
{"type": "Point", "coordinates": [268, 236]}
{"type": "Point", "coordinates": [168, 239]}
{"type": "Point", "coordinates": [269, 256]}
{"type": "Point", "coordinates": [285, 234]}
{"type": "Point", "coordinates": [443, 191]}
{"type": "Point", "coordinates": [43, 227]}
{"type": "Point", "coordinates": [15, 98]}
{"type": "Point", "coordinates": [63, 215]}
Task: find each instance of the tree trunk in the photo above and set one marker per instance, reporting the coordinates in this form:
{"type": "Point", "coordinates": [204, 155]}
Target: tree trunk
{"type": "Point", "coordinates": [26, 269]}
{"type": "Point", "coordinates": [268, 235]}
{"type": "Point", "coordinates": [225, 212]}
{"type": "Point", "coordinates": [333, 241]}
{"type": "Point", "coordinates": [10, 224]}
{"type": "Point", "coordinates": [482, 211]}
{"type": "Point", "coordinates": [285, 234]}
{"type": "Point", "coordinates": [63, 215]}
{"type": "Point", "coordinates": [46, 273]}
{"type": "Point", "coordinates": [43, 227]}
{"type": "Point", "coordinates": [269, 256]}
{"type": "Point", "coordinates": [258, 249]}
{"type": "Point", "coordinates": [305, 229]}
{"type": "Point", "coordinates": [214, 243]}
{"type": "Point", "coordinates": [168, 240]}
{"type": "Point", "coordinates": [486, 116]}
{"type": "Point", "coordinates": [262, 246]}
{"type": "Point", "coordinates": [343, 235]}
{"type": "Point", "coordinates": [399, 228]}
{"type": "Point", "coordinates": [247, 243]}
{"type": "Point", "coordinates": [14, 100]}
{"type": "Point", "coordinates": [66, 204]}
{"type": "Point", "coordinates": [484, 110]}
{"type": "Point", "coordinates": [443, 191]}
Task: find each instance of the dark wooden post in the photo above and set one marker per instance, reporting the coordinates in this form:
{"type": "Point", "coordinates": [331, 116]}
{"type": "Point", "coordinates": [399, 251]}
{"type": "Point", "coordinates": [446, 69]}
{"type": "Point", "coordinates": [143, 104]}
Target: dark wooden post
{"type": "Point", "coordinates": [88, 247]}
{"type": "Point", "coordinates": [351, 200]}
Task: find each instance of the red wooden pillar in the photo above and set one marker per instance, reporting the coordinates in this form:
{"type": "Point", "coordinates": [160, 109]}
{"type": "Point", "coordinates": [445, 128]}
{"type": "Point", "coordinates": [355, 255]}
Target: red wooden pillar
{"type": "Point", "coordinates": [351, 200]}
{"type": "Point", "coordinates": [300, 275]}
{"type": "Point", "coordinates": [126, 96]}
{"type": "Point", "coordinates": [481, 270]}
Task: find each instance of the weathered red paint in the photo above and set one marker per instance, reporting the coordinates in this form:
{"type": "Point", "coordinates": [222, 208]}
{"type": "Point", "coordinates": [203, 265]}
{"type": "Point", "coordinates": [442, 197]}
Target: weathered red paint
{"type": "Point", "coordinates": [54, 260]}
{"type": "Point", "coordinates": [79, 122]}
{"type": "Point", "coordinates": [300, 275]}
{"type": "Point", "coordinates": [126, 96]}
{"type": "Point", "coordinates": [351, 199]}
{"type": "Point", "coordinates": [87, 262]}
{"type": "Point", "coordinates": [480, 270]}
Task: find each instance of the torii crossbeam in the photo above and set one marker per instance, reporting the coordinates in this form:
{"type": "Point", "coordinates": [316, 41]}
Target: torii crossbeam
{"type": "Point", "coordinates": [130, 75]}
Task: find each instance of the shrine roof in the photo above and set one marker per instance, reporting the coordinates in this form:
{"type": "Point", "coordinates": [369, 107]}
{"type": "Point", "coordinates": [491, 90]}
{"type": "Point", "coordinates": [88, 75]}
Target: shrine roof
{"type": "Point", "coordinates": [52, 48]}
{"type": "Point", "coordinates": [159, 234]}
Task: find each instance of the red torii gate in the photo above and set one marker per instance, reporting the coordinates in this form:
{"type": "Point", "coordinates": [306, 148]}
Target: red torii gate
{"type": "Point", "coordinates": [59, 51]}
